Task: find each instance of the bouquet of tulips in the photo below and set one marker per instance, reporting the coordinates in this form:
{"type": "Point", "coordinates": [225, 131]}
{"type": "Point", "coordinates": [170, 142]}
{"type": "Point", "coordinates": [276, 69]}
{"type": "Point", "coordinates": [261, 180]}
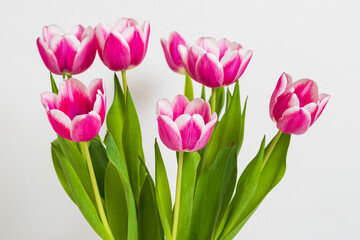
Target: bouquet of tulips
{"type": "Point", "coordinates": [108, 178]}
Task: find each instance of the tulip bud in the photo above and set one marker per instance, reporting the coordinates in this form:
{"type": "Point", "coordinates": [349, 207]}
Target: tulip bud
{"type": "Point", "coordinates": [294, 107]}
{"type": "Point", "coordinates": [71, 53]}
{"type": "Point", "coordinates": [184, 125]}
{"type": "Point", "coordinates": [171, 51]}
{"type": "Point", "coordinates": [76, 113]}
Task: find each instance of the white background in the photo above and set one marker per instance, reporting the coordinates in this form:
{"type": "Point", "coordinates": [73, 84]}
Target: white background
{"type": "Point", "coordinates": [319, 196]}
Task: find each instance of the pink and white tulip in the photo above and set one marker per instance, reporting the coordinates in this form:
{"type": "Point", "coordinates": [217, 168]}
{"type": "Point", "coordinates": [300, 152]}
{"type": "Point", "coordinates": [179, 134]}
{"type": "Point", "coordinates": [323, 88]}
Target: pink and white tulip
{"type": "Point", "coordinates": [76, 113]}
{"type": "Point", "coordinates": [123, 46]}
{"type": "Point", "coordinates": [71, 53]}
{"type": "Point", "coordinates": [184, 125]}
{"type": "Point", "coordinates": [294, 107]}
{"type": "Point", "coordinates": [171, 51]}
{"type": "Point", "coordinates": [215, 63]}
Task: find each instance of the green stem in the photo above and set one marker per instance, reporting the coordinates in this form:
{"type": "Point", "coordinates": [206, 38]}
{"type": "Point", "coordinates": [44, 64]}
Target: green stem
{"type": "Point", "coordinates": [125, 86]}
{"type": "Point", "coordinates": [271, 148]}
{"type": "Point", "coordinates": [96, 189]}
{"type": "Point", "coordinates": [177, 196]}
{"type": "Point", "coordinates": [188, 91]}
{"type": "Point", "coordinates": [213, 100]}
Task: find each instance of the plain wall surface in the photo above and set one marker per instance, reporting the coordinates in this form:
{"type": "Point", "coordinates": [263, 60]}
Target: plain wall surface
{"type": "Point", "coordinates": [319, 195]}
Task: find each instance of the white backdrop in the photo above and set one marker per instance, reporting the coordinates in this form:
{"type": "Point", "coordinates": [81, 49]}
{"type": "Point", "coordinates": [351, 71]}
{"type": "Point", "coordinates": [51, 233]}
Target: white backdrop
{"type": "Point", "coordinates": [319, 196]}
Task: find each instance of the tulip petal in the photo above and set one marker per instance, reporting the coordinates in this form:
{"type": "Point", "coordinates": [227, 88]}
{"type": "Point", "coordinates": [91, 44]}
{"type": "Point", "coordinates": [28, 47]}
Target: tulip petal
{"type": "Point", "coordinates": [244, 63]}
{"type": "Point", "coordinates": [323, 100]}
{"type": "Point", "coordinates": [116, 52]}
{"type": "Point", "coordinates": [77, 31]}
{"type": "Point", "coordinates": [178, 106]}
{"type": "Point", "coordinates": [86, 53]}
{"type": "Point", "coordinates": [231, 63]}
{"type": "Point", "coordinates": [284, 102]}
{"type": "Point", "coordinates": [85, 127]}
{"type": "Point", "coordinates": [74, 98]}
{"type": "Point", "coordinates": [294, 121]}
{"type": "Point", "coordinates": [169, 133]}
{"type": "Point", "coordinates": [174, 41]}
{"type": "Point", "coordinates": [100, 106]}
{"type": "Point", "coordinates": [94, 86]}
{"type": "Point", "coordinates": [199, 106]}
{"type": "Point", "coordinates": [184, 125]}
{"type": "Point", "coordinates": [206, 133]}
{"type": "Point", "coordinates": [48, 57]}
{"type": "Point", "coordinates": [312, 108]}
{"type": "Point", "coordinates": [169, 60]}
{"type": "Point", "coordinates": [210, 45]}
{"type": "Point", "coordinates": [225, 45]}
{"type": "Point", "coordinates": [70, 47]}
{"type": "Point", "coordinates": [101, 32]}
{"type": "Point", "coordinates": [124, 23]}
{"type": "Point", "coordinates": [60, 123]}
{"type": "Point", "coordinates": [306, 90]}
{"type": "Point", "coordinates": [191, 58]}
{"type": "Point", "coordinates": [163, 107]}
{"type": "Point", "coordinates": [145, 35]}
{"type": "Point", "coordinates": [136, 45]}
{"type": "Point", "coordinates": [209, 71]}
{"type": "Point", "coordinates": [283, 82]}
{"type": "Point", "coordinates": [197, 124]}
{"type": "Point", "coordinates": [50, 31]}
{"type": "Point", "coordinates": [49, 100]}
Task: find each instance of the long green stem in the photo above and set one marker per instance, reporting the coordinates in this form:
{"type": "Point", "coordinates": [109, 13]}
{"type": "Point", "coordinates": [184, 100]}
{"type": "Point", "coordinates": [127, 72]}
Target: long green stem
{"type": "Point", "coordinates": [188, 91]}
{"type": "Point", "coordinates": [96, 189]}
{"type": "Point", "coordinates": [271, 148]}
{"type": "Point", "coordinates": [213, 100]}
{"type": "Point", "coordinates": [123, 75]}
{"type": "Point", "coordinates": [177, 196]}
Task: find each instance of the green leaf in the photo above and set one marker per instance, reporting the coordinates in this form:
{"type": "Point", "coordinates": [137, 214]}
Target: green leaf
{"type": "Point", "coordinates": [163, 196]}
{"type": "Point", "coordinates": [132, 144]}
{"type": "Point", "coordinates": [245, 190]}
{"type": "Point", "coordinates": [59, 171]}
{"type": "Point", "coordinates": [148, 218]}
{"type": "Point", "coordinates": [82, 199]}
{"type": "Point", "coordinates": [53, 84]}
{"type": "Point", "coordinates": [227, 131]}
{"type": "Point", "coordinates": [100, 161]}
{"type": "Point", "coordinates": [115, 115]}
{"type": "Point", "coordinates": [189, 91]}
{"type": "Point", "coordinates": [120, 164]}
{"type": "Point", "coordinates": [270, 176]}
{"type": "Point", "coordinates": [203, 95]}
{"type": "Point", "coordinates": [228, 99]}
{"type": "Point", "coordinates": [188, 181]}
{"type": "Point", "coordinates": [78, 163]}
{"type": "Point", "coordinates": [220, 100]}
{"type": "Point", "coordinates": [209, 194]}
{"type": "Point", "coordinates": [115, 203]}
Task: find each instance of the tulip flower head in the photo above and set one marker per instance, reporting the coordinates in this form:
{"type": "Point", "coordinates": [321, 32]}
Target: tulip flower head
{"type": "Point", "coordinates": [76, 113]}
{"type": "Point", "coordinates": [71, 53]}
{"type": "Point", "coordinates": [171, 51]}
{"type": "Point", "coordinates": [215, 63]}
{"type": "Point", "coordinates": [294, 107]}
{"type": "Point", "coordinates": [184, 125]}
{"type": "Point", "coordinates": [123, 46]}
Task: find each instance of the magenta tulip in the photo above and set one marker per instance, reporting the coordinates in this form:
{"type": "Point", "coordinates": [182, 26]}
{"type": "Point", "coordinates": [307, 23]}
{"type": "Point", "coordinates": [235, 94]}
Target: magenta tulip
{"type": "Point", "coordinates": [171, 51]}
{"type": "Point", "coordinates": [294, 107]}
{"type": "Point", "coordinates": [76, 113]}
{"type": "Point", "coordinates": [215, 63]}
{"type": "Point", "coordinates": [71, 53]}
{"type": "Point", "coordinates": [124, 46]}
{"type": "Point", "coordinates": [184, 125]}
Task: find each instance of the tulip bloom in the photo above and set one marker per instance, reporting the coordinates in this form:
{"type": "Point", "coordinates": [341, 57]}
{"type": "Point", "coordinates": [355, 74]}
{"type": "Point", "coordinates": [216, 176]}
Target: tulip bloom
{"type": "Point", "coordinates": [124, 46]}
{"type": "Point", "coordinates": [171, 51]}
{"type": "Point", "coordinates": [215, 63]}
{"type": "Point", "coordinates": [76, 113]}
{"type": "Point", "coordinates": [71, 53]}
{"type": "Point", "coordinates": [294, 107]}
{"type": "Point", "coordinates": [184, 125]}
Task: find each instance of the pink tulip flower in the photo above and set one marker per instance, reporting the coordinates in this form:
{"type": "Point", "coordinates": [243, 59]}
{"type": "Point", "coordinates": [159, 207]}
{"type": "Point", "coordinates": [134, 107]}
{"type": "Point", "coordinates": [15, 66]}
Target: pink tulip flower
{"type": "Point", "coordinates": [294, 107]}
{"type": "Point", "coordinates": [171, 51]}
{"type": "Point", "coordinates": [184, 125]}
{"type": "Point", "coordinates": [124, 46]}
{"type": "Point", "coordinates": [76, 113]}
{"type": "Point", "coordinates": [72, 52]}
{"type": "Point", "coordinates": [215, 63]}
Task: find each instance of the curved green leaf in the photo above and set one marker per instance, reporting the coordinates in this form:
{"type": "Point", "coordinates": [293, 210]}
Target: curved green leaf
{"type": "Point", "coordinates": [163, 196]}
{"type": "Point", "coordinates": [53, 84]}
{"type": "Point", "coordinates": [188, 91]}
